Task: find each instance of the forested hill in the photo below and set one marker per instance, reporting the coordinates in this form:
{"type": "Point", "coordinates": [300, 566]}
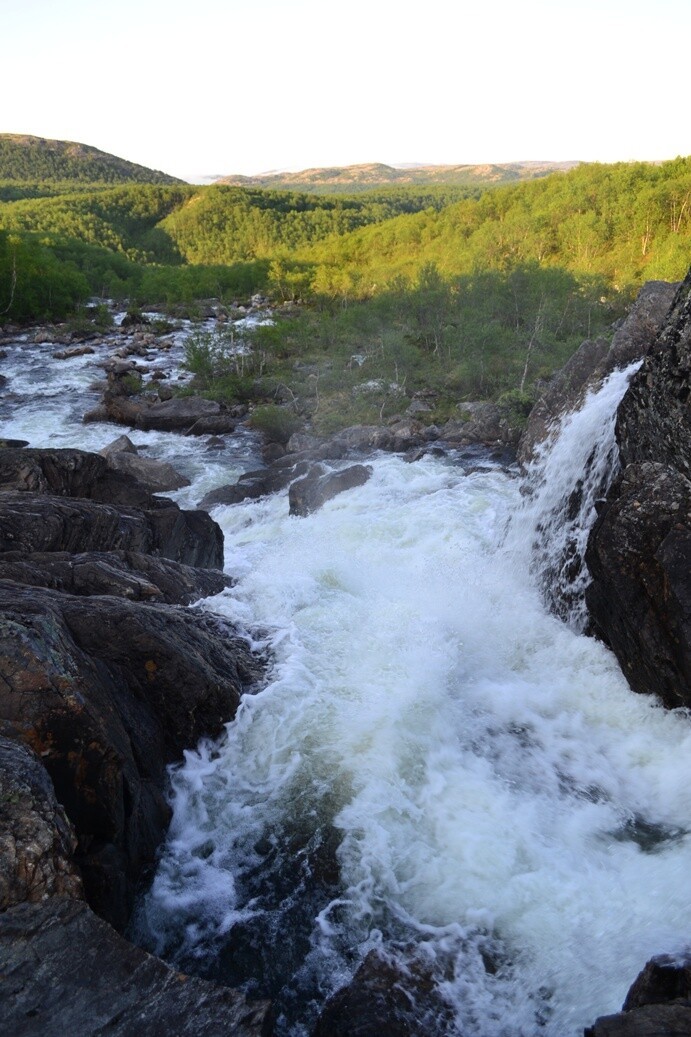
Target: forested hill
{"type": "Point", "coordinates": [350, 179]}
{"type": "Point", "coordinates": [26, 158]}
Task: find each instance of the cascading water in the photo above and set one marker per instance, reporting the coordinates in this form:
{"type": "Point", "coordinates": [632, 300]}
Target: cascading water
{"type": "Point", "coordinates": [572, 469]}
{"type": "Point", "coordinates": [437, 767]}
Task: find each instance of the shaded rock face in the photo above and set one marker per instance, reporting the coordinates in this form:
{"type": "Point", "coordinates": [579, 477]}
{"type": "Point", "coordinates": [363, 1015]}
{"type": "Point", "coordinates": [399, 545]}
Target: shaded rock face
{"type": "Point", "coordinates": [36, 839]}
{"type": "Point", "coordinates": [595, 360]}
{"type": "Point", "coordinates": [102, 684]}
{"type": "Point", "coordinates": [640, 548]}
{"type": "Point", "coordinates": [106, 510]}
{"type": "Point", "coordinates": [65, 971]}
{"type": "Point", "coordinates": [124, 574]}
{"type": "Point", "coordinates": [107, 692]}
{"type": "Point", "coordinates": [659, 1002]}
{"type": "Point", "coordinates": [639, 557]}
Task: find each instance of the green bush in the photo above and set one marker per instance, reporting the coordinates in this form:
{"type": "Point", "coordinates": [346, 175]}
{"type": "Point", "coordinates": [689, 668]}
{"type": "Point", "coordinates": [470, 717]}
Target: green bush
{"type": "Point", "coordinates": [276, 422]}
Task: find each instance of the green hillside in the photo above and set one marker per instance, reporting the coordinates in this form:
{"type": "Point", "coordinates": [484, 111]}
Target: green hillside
{"type": "Point", "coordinates": [454, 292]}
{"type": "Point", "coordinates": [27, 158]}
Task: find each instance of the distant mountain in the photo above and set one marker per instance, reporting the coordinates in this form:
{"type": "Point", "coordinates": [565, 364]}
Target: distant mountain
{"type": "Point", "coordinates": [375, 174]}
{"type": "Point", "coordinates": [28, 158]}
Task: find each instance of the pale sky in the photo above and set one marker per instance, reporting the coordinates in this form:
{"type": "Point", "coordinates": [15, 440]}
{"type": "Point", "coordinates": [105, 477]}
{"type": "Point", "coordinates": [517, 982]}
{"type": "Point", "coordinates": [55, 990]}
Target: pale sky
{"type": "Point", "coordinates": [232, 86]}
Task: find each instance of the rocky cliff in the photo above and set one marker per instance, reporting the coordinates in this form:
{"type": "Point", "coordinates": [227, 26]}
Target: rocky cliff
{"type": "Point", "coordinates": [104, 681]}
{"type": "Point", "coordinates": [639, 557]}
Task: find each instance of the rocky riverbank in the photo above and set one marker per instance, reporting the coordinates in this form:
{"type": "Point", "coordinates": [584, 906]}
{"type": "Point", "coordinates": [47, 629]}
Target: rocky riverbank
{"type": "Point", "coordinates": [105, 681]}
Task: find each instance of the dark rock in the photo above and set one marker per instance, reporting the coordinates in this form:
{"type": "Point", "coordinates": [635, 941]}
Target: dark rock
{"type": "Point", "coordinates": [672, 1020]}
{"type": "Point", "coordinates": [659, 1002]}
{"type": "Point", "coordinates": [124, 574]}
{"type": "Point", "coordinates": [385, 998]}
{"type": "Point", "coordinates": [310, 493]}
{"type": "Point", "coordinates": [67, 354]}
{"type": "Point", "coordinates": [108, 692]}
{"type": "Point", "coordinates": [156, 476]}
{"type": "Point", "coordinates": [13, 443]}
{"type": "Point", "coordinates": [640, 548]}
{"type": "Point", "coordinates": [36, 839]}
{"type": "Point", "coordinates": [39, 523]}
{"type": "Point", "coordinates": [64, 971]}
{"type": "Point", "coordinates": [252, 485]}
{"type": "Point", "coordinates": [654, 418]}
{"type": "Point", "coordinates": [175, 415]}
{"type": "Point", "coordinates": [639, 556]}
{"type": "Point", "coordinates": [121, 445]}
{"type": "Point", "coordinates": [664, 978]}
{"type": "Point", "coordinates": [215, 424]}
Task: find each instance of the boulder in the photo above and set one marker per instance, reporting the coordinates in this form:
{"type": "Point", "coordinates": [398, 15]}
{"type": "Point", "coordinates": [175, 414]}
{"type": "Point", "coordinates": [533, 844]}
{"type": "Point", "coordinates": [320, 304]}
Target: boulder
{"type": "Point", "coordinates": [175, 415]}
{"type": "Point", "coordinates": [156, 476]}
{"type": "Point", "coordinates": [251, 485]}
{"type": "Point", "coordinates": [659, 1002]}
{"type": "Point", "coordinates": [310, 493]}
{"type": "Point", "coordinates": [65, 971]}
{"type": "Point", "coordinates": [107, 692]}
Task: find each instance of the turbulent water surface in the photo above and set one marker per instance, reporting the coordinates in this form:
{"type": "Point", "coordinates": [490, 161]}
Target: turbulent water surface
{"type": "Point", "coordinates": [436, 767]}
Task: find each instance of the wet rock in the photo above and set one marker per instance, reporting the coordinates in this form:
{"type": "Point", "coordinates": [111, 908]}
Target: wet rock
{"type": "Point", "coordinates": [64, 971]}
{"type": "Point", "coordinates": [121, 445]}
{"type": "Point", "coordinates": [108, 692]}
{"type": "Point", "coordinates": [659, 1002]}
{"type": "Point", "coordinates": [385, 997]}
{"type": "Point", "coordinates": [310, 493]}
{"type": "Point", "coordinates": [125, 574]}
{"type": "Point", "coordinates": [251, 485]}
{"type": "Point", "coordinates": [36, 839]}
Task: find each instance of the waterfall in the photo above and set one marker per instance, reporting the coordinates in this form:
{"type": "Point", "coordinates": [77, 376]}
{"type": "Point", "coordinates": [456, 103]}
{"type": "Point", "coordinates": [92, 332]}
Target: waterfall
{"type": "Point", "coordinates": [571, 472]}
{"type": "Point", "coordinates": [437, 768]}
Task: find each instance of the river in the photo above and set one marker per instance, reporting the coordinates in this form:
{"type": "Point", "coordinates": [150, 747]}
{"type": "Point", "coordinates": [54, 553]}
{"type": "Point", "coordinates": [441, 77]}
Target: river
{"type": "Point", "coordinates": [437, 767]}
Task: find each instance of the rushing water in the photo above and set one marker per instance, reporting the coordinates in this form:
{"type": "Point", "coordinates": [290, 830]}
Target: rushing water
{"type": "Point", "coordinates": [437, 766]}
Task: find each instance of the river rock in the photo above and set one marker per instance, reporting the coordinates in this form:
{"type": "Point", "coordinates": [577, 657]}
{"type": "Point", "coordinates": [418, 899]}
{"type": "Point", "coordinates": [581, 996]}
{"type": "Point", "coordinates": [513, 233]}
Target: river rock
{"type": "Point", "coordinates": [310, 493]}
{"type": "Point", "coordinates": [108, 692]}
{"type": "Point", "coordinates": [659, 1002]}
{"type": "Point", "coordinates": [65, 971]}
{"type": "Point", "coordinates": [124, 574]}
{"type": "Point", "coordinates": [252, 485]}
{"type": "Point", "coordinates": [176, 415]}
{"type": "Point", "coordinates": [383, 998]}
{"type": "Point", "coordinates": [156, 476]}
{"type": "Point", "coordinates": [36, 839]}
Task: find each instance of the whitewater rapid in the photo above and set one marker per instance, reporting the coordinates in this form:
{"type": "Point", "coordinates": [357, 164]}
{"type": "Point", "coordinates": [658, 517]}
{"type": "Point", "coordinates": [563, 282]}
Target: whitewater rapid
{"type": "Point", "coordinates": [436, 766]}
{"type": "Point", "coordinates": [500, 806]}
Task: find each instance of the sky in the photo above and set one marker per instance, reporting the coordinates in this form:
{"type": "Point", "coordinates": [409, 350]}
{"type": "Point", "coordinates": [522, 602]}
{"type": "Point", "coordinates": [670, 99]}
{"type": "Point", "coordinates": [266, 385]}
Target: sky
{"type": "Point", "coordinates": [214, 87]}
